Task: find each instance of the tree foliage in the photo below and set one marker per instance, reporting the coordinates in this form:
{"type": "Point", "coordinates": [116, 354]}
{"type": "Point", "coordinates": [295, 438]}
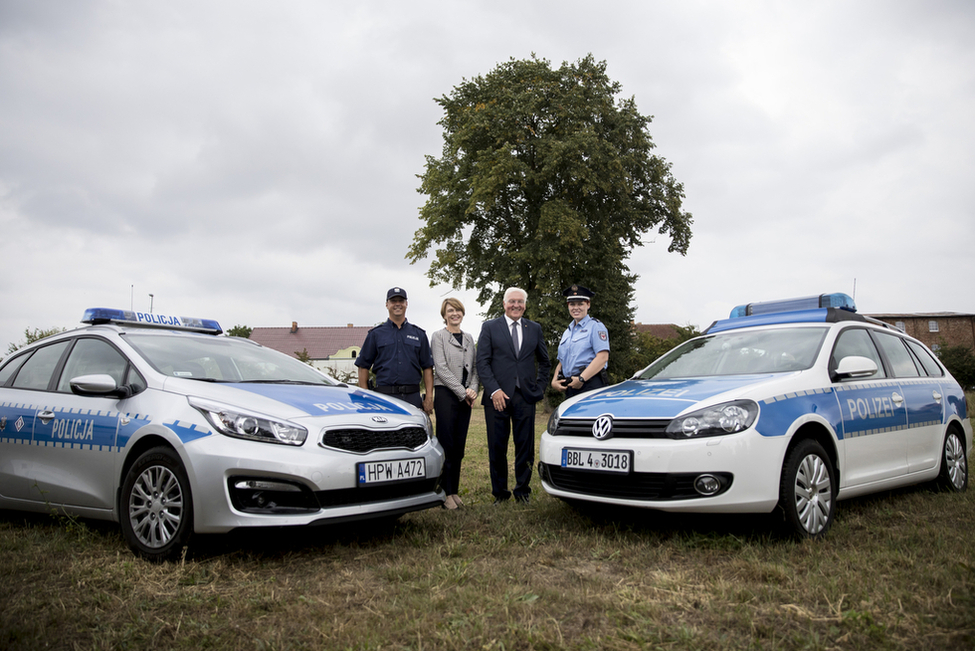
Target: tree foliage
{"type": "Point", "coordinates": [960, 362]}
{"type": "Point", "coordinates": [545, 180]}
{"type": "Point", "coordinates": [30, 336]}
{"type": "Point", "coordinates": [240, 331]}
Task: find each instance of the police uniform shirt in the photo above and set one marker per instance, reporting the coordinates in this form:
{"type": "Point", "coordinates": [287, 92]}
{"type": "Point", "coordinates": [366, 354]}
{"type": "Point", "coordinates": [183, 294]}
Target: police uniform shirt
{"type": "Point", "coordinates": [580, 343]}
{"type": "Point", "coordinates": [396, 355]}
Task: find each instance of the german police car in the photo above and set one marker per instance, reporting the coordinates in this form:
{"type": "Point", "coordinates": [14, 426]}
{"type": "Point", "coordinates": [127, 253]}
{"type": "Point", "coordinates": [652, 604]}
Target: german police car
{"type": "Point", "coordinates": [791, 405]}
{"type": "Point", "coordinates": [158, 423]}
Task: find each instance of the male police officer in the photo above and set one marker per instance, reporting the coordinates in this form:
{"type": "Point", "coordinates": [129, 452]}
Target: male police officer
{"type": "Point", "coordinates": [399, 353]}
{"type": "Point", "coordinates": [584, 348]}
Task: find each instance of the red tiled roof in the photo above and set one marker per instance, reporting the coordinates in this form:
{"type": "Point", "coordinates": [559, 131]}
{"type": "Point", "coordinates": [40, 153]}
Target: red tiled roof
{"type": "Point", "coordinates": [320, 342]}
{"type": "Point", "coordinates": [659, 330]}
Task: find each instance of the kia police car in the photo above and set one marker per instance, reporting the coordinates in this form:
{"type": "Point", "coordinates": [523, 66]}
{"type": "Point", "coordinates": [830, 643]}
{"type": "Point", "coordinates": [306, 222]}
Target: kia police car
{"type": "Point", "coordinates": [162, 425]}
{"type": "Point", "coordinates": [792, 404]}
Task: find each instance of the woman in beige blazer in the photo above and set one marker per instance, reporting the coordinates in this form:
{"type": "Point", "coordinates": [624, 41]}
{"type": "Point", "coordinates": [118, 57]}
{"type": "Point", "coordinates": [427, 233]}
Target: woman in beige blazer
{"type": "Point", "coordinates": [455, 389]}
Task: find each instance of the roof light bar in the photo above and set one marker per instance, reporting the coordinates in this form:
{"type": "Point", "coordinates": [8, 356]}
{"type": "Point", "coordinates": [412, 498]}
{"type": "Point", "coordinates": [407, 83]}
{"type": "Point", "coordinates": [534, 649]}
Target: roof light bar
{"type": "Point", "coordinates": [97, 315]}
{"type": "Point", "coordinates": [838, 300]}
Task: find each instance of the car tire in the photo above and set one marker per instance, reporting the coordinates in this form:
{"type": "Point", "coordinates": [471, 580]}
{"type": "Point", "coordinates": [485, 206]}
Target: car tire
{"type": "Point", "coordinates": [156, 506]}
{"type": "Point", "coordinates": [807, 490]}
{"type": "Point", "coordinates": [954, 463]}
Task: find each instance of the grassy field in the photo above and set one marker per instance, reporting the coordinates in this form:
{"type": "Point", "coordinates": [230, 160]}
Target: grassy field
{"type": "Point", "coordinates": [897, 571]}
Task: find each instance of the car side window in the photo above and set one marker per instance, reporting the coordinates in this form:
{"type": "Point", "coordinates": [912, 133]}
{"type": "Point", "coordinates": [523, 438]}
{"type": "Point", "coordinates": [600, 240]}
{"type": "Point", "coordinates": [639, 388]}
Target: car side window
{"type": "Point", "coordinates": [92, 357]}
{"type": "Point", "coordinates": [36, 372]}
{"type": "Point", "coordinates": [8, 370]}
{"type": "Point", "coordinates": [928, 362]}
{"type": "Point", "coordinates": [856, 341]}
{"type": "Point", "coordinates": [135, 381]}
{"type": "Point", "coordinates": [900, 359]}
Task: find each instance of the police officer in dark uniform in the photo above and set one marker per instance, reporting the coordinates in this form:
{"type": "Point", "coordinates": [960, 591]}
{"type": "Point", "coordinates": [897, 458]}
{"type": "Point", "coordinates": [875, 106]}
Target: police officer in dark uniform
{"type": "Point", "coordinates": [399, 354]}
{"type": "Point", "coordinates": [584, 348]}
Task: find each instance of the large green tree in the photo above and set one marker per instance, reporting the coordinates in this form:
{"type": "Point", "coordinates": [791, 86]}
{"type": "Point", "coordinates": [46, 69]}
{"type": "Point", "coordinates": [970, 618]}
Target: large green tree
{"type": "Point", "coordinates": [547, 179]}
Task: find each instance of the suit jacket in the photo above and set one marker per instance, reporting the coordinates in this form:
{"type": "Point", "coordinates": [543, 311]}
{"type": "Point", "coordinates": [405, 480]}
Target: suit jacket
{"type": "Point", "coordinates": [498, 367]}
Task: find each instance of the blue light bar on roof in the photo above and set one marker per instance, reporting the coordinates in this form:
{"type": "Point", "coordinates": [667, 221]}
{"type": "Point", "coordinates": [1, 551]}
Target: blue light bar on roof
{"type": "Point", "coordinates": [841, 301]}
{"type": "Point", "coordinates": [96, 315]}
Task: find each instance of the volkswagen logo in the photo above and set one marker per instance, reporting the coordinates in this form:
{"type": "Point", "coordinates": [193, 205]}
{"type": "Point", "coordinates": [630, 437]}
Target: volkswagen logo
{"type": "Point", "coordinates": [602, 429]}
{"type": "Point", "coordinates": [380, 419]}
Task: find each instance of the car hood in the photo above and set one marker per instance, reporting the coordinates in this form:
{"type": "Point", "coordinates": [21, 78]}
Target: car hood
{"type": "Point", "coordinates": [296, 400]}
{"type": "Point", "coordinates": [659, 398]}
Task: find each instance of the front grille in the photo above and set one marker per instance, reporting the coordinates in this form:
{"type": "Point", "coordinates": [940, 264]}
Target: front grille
{"type": "Point", "coordinates": [360, 440]}
{"type": "Point", "coordinates": [380, 493]}
{"type": "Point", "coordinates": [624, 428]}
{"type": "Point", "coordinates": [300, 500]}
{"type": "Point", "coordinates": [635, 486]}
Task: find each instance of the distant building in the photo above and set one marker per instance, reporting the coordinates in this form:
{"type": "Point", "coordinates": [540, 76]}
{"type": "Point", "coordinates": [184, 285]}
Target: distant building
{"type": "Point", "coordinates": [659, 330]}
{"type": "Point", "coordinates": [332, 349]}
{"type": "Point", "coordinates": [933, 328]}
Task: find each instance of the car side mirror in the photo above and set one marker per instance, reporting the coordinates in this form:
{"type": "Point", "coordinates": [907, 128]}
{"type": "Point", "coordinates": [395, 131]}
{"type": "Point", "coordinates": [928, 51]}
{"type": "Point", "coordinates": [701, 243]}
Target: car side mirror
{"type": "Point", "coordinates": [855, 366]}
{"type": "Point", "coordinates": [98, 385]}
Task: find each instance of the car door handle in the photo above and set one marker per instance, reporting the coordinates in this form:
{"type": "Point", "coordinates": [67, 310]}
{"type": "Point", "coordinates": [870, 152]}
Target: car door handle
{"type": "Point", "coordinates": [45, 416]}
{"type": "Point", "coordinates": [936, 396]}
{"type": "Point", "coordinates": [897, 398]}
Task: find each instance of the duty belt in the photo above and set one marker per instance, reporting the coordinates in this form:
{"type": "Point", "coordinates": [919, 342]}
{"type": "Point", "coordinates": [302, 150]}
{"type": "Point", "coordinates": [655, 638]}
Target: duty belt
{"type": "Point", "coordinates": [394, 389]}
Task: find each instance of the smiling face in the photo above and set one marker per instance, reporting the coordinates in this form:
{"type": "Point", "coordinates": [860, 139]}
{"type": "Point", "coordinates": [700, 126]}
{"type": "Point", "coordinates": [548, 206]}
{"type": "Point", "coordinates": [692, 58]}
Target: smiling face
{"type": "Point", "coordinates": [452, 316]}
{"type": "Point", "coordinates": [578, 310]}
{"type": "Point", "coordinates": [396, 307]}
{"type": "Point", "coordinates": [514, 305]}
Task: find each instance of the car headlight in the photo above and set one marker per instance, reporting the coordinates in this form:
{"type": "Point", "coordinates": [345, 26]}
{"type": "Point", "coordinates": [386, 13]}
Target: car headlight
{"type": "Point", "coordinates": [241, 424]}
{"type": "Point", "coordinates": [553, 421]}
{"type": "Point", "coordinates": [726, 418]}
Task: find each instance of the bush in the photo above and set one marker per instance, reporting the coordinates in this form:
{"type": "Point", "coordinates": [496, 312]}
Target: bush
{"type": "Point", "coordinates": [960, 361]}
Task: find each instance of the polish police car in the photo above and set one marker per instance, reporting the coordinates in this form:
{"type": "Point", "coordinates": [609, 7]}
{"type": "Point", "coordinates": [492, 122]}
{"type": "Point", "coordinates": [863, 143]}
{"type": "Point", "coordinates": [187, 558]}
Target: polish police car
{"type": "Point", "coordinates": [791, 404]}
{"type": "Point", "coordinates": [158, 423]}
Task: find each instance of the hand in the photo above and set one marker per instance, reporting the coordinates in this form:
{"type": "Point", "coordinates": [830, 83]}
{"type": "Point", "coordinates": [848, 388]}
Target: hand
{"type": "Point", "coordinates": [428, 404]}
{"type": "Point", "coordinates": [499, 399]}
{"type": "Point", "coordinates": [576, 382]}
{"type": "Point", "coordinates": [558, 385]}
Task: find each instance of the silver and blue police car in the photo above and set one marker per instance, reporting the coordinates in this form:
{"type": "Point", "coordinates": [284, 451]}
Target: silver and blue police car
{"type": "Point", "coordinates": [158, 423]}
{"type": "Point", "coordinates": [788, 405]}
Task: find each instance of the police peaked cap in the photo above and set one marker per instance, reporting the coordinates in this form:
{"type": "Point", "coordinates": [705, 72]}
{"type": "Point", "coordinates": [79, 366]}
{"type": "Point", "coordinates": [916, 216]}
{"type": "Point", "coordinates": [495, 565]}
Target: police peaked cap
{"type": "Point", "coordinates": [577, 293]}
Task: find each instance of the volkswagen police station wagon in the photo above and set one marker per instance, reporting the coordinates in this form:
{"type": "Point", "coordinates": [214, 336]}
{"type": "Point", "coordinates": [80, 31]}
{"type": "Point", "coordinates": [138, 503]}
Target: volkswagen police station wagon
{"type": "Point", "coordinates": [789, 404]}
{"type": "Point", "coordinates": [158, 423]}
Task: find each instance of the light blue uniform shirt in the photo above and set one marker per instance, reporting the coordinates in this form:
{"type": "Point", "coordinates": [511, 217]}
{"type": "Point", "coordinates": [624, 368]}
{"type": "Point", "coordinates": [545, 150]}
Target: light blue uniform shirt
{"type": "Point", "coordinates": [580, 343]}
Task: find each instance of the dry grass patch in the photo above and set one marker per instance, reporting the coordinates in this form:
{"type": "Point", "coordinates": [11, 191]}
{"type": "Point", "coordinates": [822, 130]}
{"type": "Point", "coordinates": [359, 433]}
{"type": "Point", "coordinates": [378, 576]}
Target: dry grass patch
{"type": "Point", "coordinates": [896, 572]}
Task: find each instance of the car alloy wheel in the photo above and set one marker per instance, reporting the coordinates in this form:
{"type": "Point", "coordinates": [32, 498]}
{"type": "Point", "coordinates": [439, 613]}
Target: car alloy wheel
{"type": "Point", "coordinates": [807, 490]}
{"type": "Point", "coordinates": [954, 464]}
{"type": "Point", "coordinates": [156, 506]}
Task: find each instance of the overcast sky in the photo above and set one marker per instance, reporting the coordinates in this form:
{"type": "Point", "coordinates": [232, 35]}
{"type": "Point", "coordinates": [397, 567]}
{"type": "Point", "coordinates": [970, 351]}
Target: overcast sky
{"type": "Point", "coordinates": [255, 162]}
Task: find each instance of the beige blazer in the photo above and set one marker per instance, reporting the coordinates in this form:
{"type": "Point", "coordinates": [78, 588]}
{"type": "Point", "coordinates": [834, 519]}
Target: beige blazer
{"type": "Point", "coordinates": [449, 361]}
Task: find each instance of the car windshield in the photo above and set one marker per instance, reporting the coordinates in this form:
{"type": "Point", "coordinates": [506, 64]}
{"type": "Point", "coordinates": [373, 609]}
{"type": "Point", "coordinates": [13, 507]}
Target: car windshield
{"type": "Point", "coordinates": [221, 359]}
{"type": "Point", "coordinates": [740, 352]}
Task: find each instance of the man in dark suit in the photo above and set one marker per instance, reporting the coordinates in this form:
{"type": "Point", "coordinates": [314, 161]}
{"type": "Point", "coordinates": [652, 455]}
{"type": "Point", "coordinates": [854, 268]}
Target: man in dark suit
{"type": "Point", "coordinates": [513, 365]}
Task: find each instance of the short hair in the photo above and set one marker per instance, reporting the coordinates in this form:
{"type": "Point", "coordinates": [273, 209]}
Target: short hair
{"type": "Point", "coordinates": [452, 302]}
{"type": "Point", "coordinates": [511, 290]}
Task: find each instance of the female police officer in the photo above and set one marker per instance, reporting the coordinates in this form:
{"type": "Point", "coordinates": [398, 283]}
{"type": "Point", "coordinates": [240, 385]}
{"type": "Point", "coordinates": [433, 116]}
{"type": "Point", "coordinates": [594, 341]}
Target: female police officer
{"type": "Point", "coordinates": [584, 348]}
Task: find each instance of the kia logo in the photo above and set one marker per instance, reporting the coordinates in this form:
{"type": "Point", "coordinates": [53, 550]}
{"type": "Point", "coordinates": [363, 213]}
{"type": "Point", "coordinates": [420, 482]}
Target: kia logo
{"type": "Point", "coordinates": [380, 419]}
{"type": "Point", "coordinates": [602, 429]}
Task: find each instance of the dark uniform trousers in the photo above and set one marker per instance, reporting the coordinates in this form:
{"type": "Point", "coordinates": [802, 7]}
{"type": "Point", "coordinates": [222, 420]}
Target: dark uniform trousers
{"type": "Point", "coordinates": [595, 382]}
{"type": "Point", "coordinates": [521, 413]}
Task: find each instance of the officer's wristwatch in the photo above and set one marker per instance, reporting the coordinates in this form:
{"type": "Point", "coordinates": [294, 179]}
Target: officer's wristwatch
{"type": "Point", "coordinates": [582, 380]}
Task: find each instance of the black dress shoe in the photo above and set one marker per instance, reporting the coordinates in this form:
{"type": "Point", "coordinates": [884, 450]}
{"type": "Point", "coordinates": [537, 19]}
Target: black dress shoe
{"type": "Point", "coordinates": [524, 499]}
